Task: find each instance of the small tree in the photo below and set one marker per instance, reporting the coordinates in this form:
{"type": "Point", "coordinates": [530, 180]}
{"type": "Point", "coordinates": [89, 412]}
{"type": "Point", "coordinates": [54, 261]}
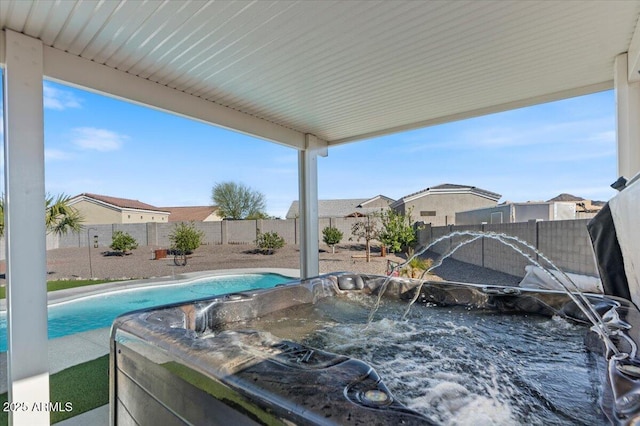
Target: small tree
{"type": "Point", "coordinates": [331, 236]}
{"type": "Point", "coordinates": [238, 201]}
{"type": "Point", "coordinates": [185, 238]}
{"type": "Point", "coordinates": [122, 242]}
{"type": "Point", "coordinates": [269, 242]}
{"type": "Point", "coordinates": [368, 230]}
{"type": "Point", "coordinates": [397, 232]}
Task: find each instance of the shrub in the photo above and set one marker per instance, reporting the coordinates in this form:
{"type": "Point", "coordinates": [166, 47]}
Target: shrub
{"type": "Point", "coordinates": [269, 242]}
{"type": "Point", "coordinates": [397, 231]}
{"type": "Point", "coordinates": [331, 236]}
{"type": "Point", "coordinates": [122, 242]}
{"type": "Point", "coordinates": [416, 266]}
{"type": "Point", "coordinates": [185, 238]}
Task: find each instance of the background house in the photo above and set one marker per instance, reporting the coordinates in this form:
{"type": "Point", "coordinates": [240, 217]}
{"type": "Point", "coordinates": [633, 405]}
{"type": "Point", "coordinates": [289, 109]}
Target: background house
{"type": "Point", "coordinates": [438, 205]}
{"type": "Point", "coordinates": [585, 209]}
{"type": "Point", "coordinates": [355, 207]}
{"type": "Point", "coordinates": [193, 214]}
{"type": "Point", "coordinates": [518, 212]}
{"type": "Point", "coordinates": [101, 209]}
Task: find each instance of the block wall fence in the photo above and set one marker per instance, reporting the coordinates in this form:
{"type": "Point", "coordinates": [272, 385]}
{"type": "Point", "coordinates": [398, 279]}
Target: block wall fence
{"type": "Point", "coordinates": [566, 242]}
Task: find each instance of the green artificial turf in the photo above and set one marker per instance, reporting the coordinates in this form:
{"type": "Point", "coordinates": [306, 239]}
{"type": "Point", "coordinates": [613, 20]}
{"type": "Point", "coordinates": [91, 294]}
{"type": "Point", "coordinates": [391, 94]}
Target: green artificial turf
{"type": "Point", "coordinates": [77, 389]}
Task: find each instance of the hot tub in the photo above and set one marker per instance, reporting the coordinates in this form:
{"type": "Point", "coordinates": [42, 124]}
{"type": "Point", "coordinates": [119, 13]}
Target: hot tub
{"type": "Point", "coordinates": [213, 362]}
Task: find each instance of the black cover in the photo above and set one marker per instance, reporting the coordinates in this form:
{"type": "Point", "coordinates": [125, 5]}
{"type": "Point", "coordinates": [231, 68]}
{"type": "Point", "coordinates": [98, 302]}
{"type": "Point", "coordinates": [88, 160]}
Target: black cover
{"type": "Point", "coordinates": [609, 259]}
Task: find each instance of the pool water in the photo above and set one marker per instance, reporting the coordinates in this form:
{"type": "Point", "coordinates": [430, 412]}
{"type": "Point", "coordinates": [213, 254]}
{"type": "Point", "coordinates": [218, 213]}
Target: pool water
{"type": "Point", "coordinates": [98, 311]}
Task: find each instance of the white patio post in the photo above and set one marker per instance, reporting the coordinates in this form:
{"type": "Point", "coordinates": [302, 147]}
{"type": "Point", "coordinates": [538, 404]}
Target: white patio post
{"type": "Point", "coordinates": [628, 117]}
{"type": "Point", "coordinates": [27, 357]}
{"type": "Point", "coordinates": [308, 205]}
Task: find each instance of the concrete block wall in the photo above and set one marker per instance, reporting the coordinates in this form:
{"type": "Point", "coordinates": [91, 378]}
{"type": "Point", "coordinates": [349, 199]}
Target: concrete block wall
{"type": "Point", "coordinates": [84, 237]}
{"type": "Point", "coordinates": [136, 230]}
{"type": "Point", "coordinates": [344, 224]}
{"type": "Point", "coordinates": [284, 228]}
{"type": "Point", "coordinates": [163, 230]}
{"type": "Point", "coordinates": [241, 231]}
{"type": "Point", "coordinates": [212, 232]}
{"type": "Point", "coordinates": [500, 257]}
{"type": "Point", "coordinates": [438, 232]}
{"type": "Point", "coordinates": [472, 252]}
{"type": "Point", "coordinates": [567, 244]}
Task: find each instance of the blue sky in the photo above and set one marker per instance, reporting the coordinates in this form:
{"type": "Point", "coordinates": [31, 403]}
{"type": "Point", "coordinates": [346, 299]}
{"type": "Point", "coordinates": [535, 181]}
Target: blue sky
{"type": "Point", "coordinates": [102, 145]}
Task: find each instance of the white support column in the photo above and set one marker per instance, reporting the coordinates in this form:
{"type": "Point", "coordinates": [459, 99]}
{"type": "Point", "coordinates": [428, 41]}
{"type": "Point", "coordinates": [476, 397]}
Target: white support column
{"type": "Point", "coordinates": [27, 356]}
{"type": "Point", "coordinates": [628, 119]}
{"type": "Point", "coordinates": [308, 206]}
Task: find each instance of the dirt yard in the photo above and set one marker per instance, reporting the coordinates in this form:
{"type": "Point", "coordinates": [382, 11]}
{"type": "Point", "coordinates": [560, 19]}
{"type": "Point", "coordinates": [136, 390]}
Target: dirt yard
{"type": "Point", "coordinates": [73, 263]}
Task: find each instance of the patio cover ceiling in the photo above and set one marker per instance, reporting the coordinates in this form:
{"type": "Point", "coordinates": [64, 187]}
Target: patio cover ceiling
{"type": "Point", "coordinates": [342, 71]}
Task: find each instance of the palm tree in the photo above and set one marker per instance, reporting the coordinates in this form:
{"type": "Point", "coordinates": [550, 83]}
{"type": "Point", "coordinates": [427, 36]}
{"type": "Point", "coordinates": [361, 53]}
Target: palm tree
{"type": "Point", "coordinates": [60, 217]}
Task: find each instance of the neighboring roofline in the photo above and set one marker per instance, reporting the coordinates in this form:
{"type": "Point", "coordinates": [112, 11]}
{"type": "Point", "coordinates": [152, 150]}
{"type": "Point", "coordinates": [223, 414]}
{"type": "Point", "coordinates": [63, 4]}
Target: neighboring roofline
{"type": "Point", "coordinates": [438, 189]}
{"type": "Point", "coordinates": [213, 208]}
{"type": "Point", "coordinates": [354, 205]}
{"type": "Point", "coordinates": [89, 198]}
{"type": "Point", "coordinates": [377, 197]}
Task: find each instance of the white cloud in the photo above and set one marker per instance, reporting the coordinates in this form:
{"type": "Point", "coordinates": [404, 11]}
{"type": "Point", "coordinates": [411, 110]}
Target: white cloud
{"type": "Point", "coordinates": [607, 137]}
{"type": "Point", "coordinates": [101, 140]}
{"type": "Point", "coordinates": [516, 134]}
{"type": "Point", "coordinates": [56, 154]}
{"type": "Point", "coordinates": [58, 99]}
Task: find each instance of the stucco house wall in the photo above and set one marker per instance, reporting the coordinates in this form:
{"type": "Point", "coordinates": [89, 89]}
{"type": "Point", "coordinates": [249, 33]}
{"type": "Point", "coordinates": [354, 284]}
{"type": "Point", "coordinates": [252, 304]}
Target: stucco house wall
{"type": "Point", "coordinates": [440, 209]}
{"type": "Point", "coordinates": [95, 214]}
{"type": "Point", "coordinates": [438, 205]}
{"type": "Point", "coordinates": [213, 217]}
{"type": "Point", "coordinates": [517, 212]}
{"type": "Point", "coordinates": [496, 214]}
{"type": "Point", "coordinates": [103, 210]}
{"type": "Point", "coordinates": [137, 216]}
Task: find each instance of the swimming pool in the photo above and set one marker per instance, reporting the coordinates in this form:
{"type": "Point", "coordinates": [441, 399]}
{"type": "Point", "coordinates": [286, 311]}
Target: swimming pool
{"type": "Point", "coordinates": [98, 311]}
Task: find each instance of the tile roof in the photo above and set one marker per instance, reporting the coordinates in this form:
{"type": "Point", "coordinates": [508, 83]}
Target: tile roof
{"type": "Point", "coordinates": [189, 213]}
{"type": "Point", "coordinates": [123, 203]}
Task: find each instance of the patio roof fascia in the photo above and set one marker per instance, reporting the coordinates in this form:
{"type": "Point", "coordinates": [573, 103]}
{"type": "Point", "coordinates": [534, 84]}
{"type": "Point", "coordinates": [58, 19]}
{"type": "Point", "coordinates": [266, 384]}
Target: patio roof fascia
{"type": "Point", "coordinates": [78, 72]}
{"type": "Point", "coordinates": [522, 103]}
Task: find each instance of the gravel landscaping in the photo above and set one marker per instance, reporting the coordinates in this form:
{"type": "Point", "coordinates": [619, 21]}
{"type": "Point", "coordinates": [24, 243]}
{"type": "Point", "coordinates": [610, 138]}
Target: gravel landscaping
{"type": "Point", "coordinates": [73, 263]}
